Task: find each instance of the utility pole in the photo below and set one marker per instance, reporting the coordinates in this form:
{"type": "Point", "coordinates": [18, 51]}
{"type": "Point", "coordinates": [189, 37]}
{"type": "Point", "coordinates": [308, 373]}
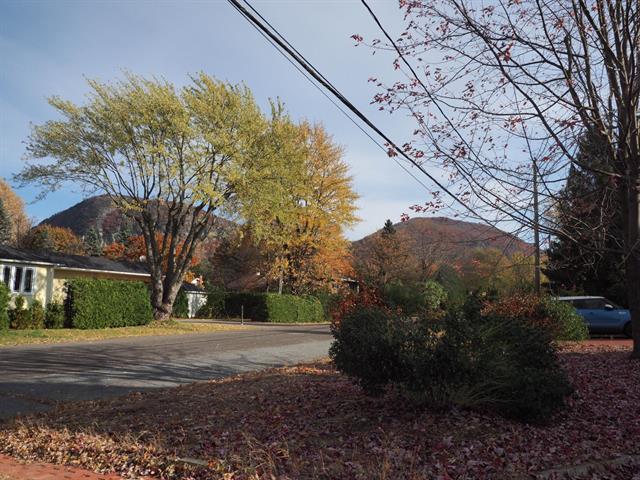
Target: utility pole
{"type": "Point", "coordinates": [536, 228]}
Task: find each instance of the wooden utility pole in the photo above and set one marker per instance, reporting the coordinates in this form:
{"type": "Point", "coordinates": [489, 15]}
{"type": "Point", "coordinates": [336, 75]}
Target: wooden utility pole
{"type": "Point", "coordinates": [536, 228]}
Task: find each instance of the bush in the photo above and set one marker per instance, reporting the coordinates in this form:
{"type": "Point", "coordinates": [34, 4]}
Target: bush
{"type": "Point", "coordinates": [19, 315]}
{"type": "Point", "coordinates": [214, 307]}
{"type": "Point", "coordinates": [329, 302]}
{"type": "Point", "coordinates": [559, 319]}
{"type": "Point", "coordinates": [4, 307]}
{"type": "Point", "coordinates": [36, 312]}
{"type": "Point", "coordinates": [434, 297]}
{"type": "Point", "coordinates": [273, 307]}
{"type": "Point", "coordinates": [107, 303]}
{"type": "Point", "coordinates": [181, 305]}
{"type": "Point", "coordinates": [507, 366]}
{"type": "Point", "coordinates": [54, 316]}
{"type": "Point", "coordinates": [405, 298]}
{"type": "Point", "coordinates": [429, 297]}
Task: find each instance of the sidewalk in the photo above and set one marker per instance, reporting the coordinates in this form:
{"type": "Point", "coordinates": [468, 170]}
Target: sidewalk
{"type": "Point", "coordinates": [12, 469]}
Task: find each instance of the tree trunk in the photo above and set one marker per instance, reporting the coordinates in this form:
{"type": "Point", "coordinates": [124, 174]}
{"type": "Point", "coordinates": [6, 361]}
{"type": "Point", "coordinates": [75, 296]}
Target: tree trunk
{"type": "Point", "coordinates": [633, 285]}
{"type": "Point", "coordinates": [632, 264]}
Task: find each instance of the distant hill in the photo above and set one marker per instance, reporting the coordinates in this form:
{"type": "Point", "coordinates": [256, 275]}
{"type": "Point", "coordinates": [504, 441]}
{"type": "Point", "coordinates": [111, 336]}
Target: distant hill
{"type": "Point", "coordinates": [447, 239]}
{"type": "Point", "coordinates": [100, 213]}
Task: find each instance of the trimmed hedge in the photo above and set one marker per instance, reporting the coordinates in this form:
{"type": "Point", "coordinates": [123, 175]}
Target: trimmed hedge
{"type": "Point", "coordinates": [4, 307]}
{"type": "Point", "coordinates": [273, 307]}
{"type": "Point", "coordinates": [214, 308]}
{"type": "Point", "coordinates": [107, 303]}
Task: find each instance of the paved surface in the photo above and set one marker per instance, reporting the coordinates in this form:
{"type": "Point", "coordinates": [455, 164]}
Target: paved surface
{"type": "Point", "coordinates": [34, 378]}
{"type": "Point", "coordinates": [16, 470]}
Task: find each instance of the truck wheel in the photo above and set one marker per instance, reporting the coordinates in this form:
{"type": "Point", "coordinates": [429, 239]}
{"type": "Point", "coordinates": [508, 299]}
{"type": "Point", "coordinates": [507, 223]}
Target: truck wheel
{"type": "Point", "coordinates": [627, 330]}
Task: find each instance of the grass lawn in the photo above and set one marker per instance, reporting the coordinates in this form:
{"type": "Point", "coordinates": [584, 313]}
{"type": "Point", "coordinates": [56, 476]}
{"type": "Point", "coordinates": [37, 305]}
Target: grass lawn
{"type": "Point", "coordinates": [310, 422]}
{"type": "Point", "coordinates": [23, 337]}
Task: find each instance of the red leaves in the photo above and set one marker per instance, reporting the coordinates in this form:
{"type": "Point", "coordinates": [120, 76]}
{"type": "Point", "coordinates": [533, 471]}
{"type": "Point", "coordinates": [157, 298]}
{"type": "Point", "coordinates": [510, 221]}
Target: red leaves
{"type": "Point", "coordinates": [308, 421]}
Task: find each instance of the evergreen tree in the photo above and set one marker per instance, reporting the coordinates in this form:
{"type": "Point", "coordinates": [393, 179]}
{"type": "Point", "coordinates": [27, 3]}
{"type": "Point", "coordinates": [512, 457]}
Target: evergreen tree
{"type": "Point", "coordinates": [93, 243]}
{"type": "Point", "coordinates": [592, 263]}
{"type": "Point", "coordinates": [388, 229]}
{"type": "Point", "coordinates": [5, 225]}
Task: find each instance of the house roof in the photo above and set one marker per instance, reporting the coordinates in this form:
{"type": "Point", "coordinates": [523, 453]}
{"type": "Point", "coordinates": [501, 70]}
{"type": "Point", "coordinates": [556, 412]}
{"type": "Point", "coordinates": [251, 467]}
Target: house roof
{"type": "Point", "coordinates": [73, 262]}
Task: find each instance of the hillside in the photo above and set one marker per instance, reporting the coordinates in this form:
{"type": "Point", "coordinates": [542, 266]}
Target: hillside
{"type": "Point", "coordinates": [99, 213]}
{"type": "Point", "coordinates": [440, 238]}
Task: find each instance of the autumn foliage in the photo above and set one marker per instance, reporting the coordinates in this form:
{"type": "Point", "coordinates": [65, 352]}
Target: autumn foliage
{"type": "Point", "coordinates": [134, 250]}
{"type": "Point", "coordinates": [559, 319]}
{"type": "Point", "coordinates": [53, 239]}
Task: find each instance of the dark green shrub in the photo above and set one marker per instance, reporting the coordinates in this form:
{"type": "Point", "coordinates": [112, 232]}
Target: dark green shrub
{"type": "Point", "coordinates": [36, 312]}
{"type": "Point", "coordinates": [107, 303]}
{"type": "Point", "coordinates": [181, 305]}
{"type": "Point", "coordinates": [412, 299]}
{"type": "Point", "coordinates": [4, 307]}
{"type": "Point", "coordinates": [273, 307]}
{"type": "Point", "coordinates": [215, 302]}
{"type": "Point", "coordinates": [54, 316]}
{"type": "Point", "coordinates": [329, 302]}
{"type": "Point", "coordinates": [20, 315]}
{"type": "Point", "coordinates": [405, 298]}
{"type": "Point", "coordinates": [365, 347]}
{"type": "Point", "coordinates": [214, 308]}
{"type": "Point", "coordinates": [507, 366]}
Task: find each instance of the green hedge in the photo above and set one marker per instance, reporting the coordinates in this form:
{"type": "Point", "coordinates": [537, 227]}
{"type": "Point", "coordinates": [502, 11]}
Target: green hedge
{"type": "Point", "coordinates": [181, 305]}
{"type": "Point", "coordinates": [4, 307]}
{"type": "Point", "coordinates": [272, 307]}
{"type": "Point", "coordinates": [107, 303]}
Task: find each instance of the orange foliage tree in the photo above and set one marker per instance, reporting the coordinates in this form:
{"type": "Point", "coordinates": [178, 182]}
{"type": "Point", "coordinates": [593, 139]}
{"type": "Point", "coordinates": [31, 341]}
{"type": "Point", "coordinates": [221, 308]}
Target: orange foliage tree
{"type": "Point", "coordinates": [134, 250]}
{"type": "Point", "coordinates": [53, 239]}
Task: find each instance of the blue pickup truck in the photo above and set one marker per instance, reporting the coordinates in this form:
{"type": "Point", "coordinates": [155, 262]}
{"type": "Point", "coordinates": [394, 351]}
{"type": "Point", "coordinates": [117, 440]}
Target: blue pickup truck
{"type": "Point", "coordinates": [601, 315]}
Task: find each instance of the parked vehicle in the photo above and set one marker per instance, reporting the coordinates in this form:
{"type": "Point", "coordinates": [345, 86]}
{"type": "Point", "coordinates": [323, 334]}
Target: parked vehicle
{"type": "Point", "coordinates": [602, 315]}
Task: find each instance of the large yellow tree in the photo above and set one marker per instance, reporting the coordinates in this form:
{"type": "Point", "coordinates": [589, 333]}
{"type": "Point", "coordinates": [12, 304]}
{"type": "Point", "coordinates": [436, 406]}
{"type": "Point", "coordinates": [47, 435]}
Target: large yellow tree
{"type": "Point", "coordinates": [315, 201]}
{"type": "Point", "coordinates": [168, 157]}
{"type": "Point", "coordinates": [14, 207]}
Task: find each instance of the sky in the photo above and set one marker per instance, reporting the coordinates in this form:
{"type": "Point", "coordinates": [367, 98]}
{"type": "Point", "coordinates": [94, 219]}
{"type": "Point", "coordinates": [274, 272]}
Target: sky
{"type": "Point", "coordinates": [52, 47]}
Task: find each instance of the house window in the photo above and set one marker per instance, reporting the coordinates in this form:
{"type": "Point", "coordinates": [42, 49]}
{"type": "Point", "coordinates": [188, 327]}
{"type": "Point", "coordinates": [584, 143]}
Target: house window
{"type": "Point", "coordinates": [6, 276]}
{"type": "Point", "coordinates": [28, 280]}
{"type": "Point", "coordinates": [17, 279]}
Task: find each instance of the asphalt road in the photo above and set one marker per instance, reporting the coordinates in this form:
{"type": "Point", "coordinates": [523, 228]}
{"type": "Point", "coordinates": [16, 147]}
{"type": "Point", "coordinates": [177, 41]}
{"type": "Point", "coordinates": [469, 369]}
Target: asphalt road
{"type": "Point", "coordinates": [34, 378]}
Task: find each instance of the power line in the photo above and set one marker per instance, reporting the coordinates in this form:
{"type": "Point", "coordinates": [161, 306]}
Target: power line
{"type": "Point", "coordinates": [323, 92]}
{"type": "Point", "coordinates": [299, 58]}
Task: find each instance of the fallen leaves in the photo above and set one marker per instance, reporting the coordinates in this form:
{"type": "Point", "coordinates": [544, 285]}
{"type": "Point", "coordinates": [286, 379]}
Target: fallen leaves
{"type": "Point", "coordinates": [309, 421]}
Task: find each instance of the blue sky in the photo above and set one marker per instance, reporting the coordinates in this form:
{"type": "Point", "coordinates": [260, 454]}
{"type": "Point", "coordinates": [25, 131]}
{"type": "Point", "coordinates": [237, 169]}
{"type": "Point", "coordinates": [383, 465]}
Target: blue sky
{"type": "Point", "coordinates": [50, 47]}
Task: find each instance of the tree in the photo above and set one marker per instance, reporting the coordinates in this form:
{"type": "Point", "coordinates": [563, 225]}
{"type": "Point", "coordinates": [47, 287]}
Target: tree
{"type": "Point", "coordinates": [53, 239]}
{"type": "Point", "coordinates": [6, 228]}
{"type": "Point", "coordinates": [14, 207]}
{"type": "Point", "coordinates": [594, 264]}
{"type": "Point", "coordinates": [300, 223]}
{"type": "Point", "coordinates": [386, 258]}
{"type": "Point", "coordinates": [501, 92]}
{"type": "Point", "coordinates": [93, 242]}
{"type": "Point", "coordinates": [168, 158]}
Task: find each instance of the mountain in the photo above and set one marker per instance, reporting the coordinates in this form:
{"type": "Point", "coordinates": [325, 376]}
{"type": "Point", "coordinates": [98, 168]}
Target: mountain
{"type": "Point", "coordinates": [447, 239]}
{"type": "Point", "coordinates": [100, 213]}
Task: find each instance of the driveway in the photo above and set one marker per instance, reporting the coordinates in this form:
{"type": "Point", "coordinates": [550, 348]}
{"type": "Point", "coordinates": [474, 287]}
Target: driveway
{"type": "Point", "coordinates": [34, 378]}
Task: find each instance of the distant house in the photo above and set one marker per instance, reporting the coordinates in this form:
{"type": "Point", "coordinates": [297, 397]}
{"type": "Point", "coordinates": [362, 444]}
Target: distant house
{"type": "Point", "coordinates": [42, 275]}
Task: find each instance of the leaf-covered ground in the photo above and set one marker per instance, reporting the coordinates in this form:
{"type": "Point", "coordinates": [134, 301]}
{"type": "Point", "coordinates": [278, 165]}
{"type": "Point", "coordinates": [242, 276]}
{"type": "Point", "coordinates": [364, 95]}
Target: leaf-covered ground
{"type": "Point", "coordinates": [66, 335]}
{"type": "Point", "coordinates": [309, 422]}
